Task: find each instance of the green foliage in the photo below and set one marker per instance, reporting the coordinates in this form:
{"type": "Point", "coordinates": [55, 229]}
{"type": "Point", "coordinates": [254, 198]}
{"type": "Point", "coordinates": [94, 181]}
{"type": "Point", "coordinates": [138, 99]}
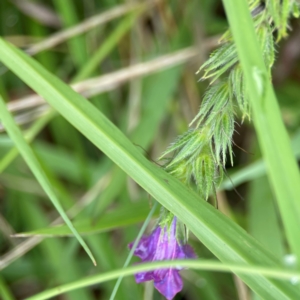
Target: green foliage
{"type": "Point", "coordinates": [150, 105]}
{"type": "Point", "coordinates": [209, 225]}
{"type": "Point", "coordinates": [180, 142]}
{"type": "Point", "coordinates": [280, 12]}
{"type": "Point", "coordinates": [190, 150]}
{"type": "Point", "coordinates": [220, 61]}
{"type": "Point", "coordinates": [238, 87]}
{"type": "Point", "coordinates": [215, 119]}
{"type": "Point", "coordinates": [193, 160]}
{"type": "Point", "coordinates": [205, 172]}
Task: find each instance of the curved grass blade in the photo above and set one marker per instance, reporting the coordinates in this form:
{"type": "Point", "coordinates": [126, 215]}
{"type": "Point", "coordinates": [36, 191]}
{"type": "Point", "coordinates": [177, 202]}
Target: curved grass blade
{"type": "Point", "coordinates": [192, 264]}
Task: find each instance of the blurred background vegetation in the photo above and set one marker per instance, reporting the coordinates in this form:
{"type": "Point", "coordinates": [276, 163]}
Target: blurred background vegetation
{"type": "Point", "coordinates": [135, 62]}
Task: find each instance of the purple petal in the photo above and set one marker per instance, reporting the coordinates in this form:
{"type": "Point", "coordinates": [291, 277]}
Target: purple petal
{"type": "Point", "coordinates": [170, 285]}
{"type": "Point", "coordinates": [143, 276]}
{"type": "Point", "coordinates": [141, 250]}
{"type": "Point", "coordinates": [167, 244]}
{"type": "Point", "coordinates": [146, 246]}
{"type": "Point", "coordinates": [160, 274]}
{"type": "Point", "coordinates": [189, 251]}
{"type": "Point", "coordinates": [160, 245]}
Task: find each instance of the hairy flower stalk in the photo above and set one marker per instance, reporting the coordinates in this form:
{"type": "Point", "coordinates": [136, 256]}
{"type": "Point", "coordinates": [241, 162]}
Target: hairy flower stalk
{"type": "Point", "coordinates": [163, 244]}
{"type": "Point", "coordinates": [199, 155]}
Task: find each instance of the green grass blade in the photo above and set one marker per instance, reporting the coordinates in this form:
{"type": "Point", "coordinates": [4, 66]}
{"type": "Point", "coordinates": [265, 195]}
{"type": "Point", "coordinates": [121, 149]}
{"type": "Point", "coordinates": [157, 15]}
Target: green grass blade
{"type": "Point", "coordinates": [273, 139]}
{"type": "Point", "coordinates": [5, 293]}
{"type": "Point", "coordinates": [127, 215]}
{"type": "Point", "coordinates": [77, 45]}
{"type": "Point", "coordinates": [220, 235]}
{"type": "Point", "coordinates": [193, 264]}
{"type": "Point", "coordinates": [30, 134]}
{"type": "Point", "coordinates": [108, 45]}
{"type": "Point", "coordinates": [29, 156]}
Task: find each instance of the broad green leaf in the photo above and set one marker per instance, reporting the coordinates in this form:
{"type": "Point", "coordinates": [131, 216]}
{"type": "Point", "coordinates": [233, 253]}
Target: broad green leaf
{"type": "Point", "coordinates": [219, 234]}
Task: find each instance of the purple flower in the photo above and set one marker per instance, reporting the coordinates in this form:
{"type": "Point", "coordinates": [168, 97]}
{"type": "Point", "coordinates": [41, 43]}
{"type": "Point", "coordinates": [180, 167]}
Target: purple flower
{"type": "Point", "coordinates": [162, 244]}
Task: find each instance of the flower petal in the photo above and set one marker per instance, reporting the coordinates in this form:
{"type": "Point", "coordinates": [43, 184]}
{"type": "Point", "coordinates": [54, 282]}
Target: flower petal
{"type": "Point", "coordinates": [146, 246]}
{"type": "Point", "coordinates": [162, 244]}
{"type": "Point", "coordinates": [189, 251]}
{"type": "Point", "coordinates": [143, 276]}
{"type": "Point", "coordinates": [170, 284]}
